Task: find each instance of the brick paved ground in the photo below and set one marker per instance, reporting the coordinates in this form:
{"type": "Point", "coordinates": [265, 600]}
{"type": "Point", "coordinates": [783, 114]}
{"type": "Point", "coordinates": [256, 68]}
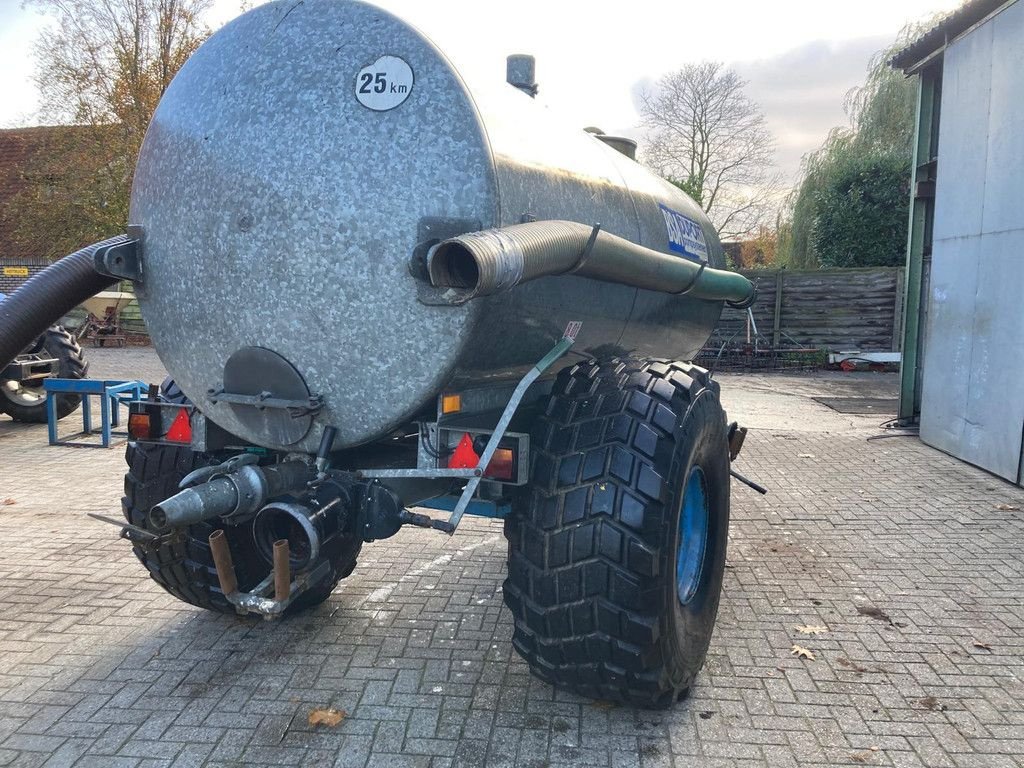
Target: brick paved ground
{"type": "Point", "coordinates": [99, 667]}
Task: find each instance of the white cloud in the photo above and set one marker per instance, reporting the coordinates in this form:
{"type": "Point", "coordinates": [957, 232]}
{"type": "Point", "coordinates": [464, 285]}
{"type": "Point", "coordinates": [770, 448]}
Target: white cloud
{"type": "Point", "coordinates": [801, 91]}
{"type": "Point", "coordinates": [800, 56]}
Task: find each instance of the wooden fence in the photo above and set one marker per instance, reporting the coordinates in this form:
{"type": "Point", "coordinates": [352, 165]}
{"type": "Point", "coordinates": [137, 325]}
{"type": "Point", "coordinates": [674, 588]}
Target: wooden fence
{"type": "Point", "coordinates": [836, 309]}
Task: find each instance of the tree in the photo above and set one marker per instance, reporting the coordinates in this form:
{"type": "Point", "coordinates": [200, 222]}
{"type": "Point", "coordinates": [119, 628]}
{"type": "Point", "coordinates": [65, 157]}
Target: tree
{"type": "Point", "coordinates": [850, 207]}
{"type": "Point", "coordinates": [861, 218]}
{"type": "Point", "coordinates": [710, 140]}
{"type": "Point", "coordinates": [759, 251]}
{"type": "Point", "coordinates": [102, 66]}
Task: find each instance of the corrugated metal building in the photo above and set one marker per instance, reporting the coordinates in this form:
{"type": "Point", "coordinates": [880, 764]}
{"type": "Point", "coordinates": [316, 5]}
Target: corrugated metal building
{"type": "Point", "coordinates": [963, 363]}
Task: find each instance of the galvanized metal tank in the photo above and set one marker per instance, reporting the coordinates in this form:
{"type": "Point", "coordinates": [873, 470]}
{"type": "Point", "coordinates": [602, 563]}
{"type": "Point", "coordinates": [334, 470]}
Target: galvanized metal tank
{"type": "Point", "coordinates": [292, 178]}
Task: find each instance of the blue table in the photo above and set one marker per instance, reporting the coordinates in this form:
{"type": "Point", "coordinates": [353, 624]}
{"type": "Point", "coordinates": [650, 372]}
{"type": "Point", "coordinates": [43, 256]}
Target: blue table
{"type": "Point", "coordinates": [112, 395]}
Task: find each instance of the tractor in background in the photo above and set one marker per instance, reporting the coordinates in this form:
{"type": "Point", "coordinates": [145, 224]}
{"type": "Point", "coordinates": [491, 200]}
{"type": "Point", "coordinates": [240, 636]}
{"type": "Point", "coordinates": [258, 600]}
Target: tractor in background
{"type": "Point", "coordinates": [55, 353]}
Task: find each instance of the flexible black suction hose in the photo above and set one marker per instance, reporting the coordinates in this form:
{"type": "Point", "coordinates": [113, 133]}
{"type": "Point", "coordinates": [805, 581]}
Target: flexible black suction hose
{"type": "Point", "coordinates": [48, 296]}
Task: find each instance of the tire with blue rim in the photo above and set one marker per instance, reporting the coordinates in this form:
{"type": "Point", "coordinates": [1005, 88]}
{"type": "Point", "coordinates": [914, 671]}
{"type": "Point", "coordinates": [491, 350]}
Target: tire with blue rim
{"type": "Point", "coordinates": [617, 551]}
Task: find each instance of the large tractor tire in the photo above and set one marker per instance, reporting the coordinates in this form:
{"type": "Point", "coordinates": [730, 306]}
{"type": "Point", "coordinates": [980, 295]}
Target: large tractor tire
{"type": "Point", "coordinates": [28, 403]}
{"type": "Point", "coordinates": [617, 555]}
{"type": "Point", "coordinates": [183, 564]}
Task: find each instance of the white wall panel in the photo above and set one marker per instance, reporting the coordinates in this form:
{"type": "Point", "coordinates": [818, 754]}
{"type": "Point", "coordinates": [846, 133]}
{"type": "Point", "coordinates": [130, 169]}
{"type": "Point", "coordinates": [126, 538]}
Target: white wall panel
{"type": "Point", "coordinates": [994, 419]}
{"type": "Point", "coordinates": [973, 375]}
{"type": "Point", "coordinates": [945, 387]}
{"type": "Point", "coordinates": [963, 123]}
{"type": "Point", "coordinates": [1004, 177]}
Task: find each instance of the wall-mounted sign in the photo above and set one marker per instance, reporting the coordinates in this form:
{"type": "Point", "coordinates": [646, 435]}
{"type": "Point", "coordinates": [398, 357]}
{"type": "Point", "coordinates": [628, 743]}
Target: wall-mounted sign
{"type": "Point", "coordinates": [15, 271]}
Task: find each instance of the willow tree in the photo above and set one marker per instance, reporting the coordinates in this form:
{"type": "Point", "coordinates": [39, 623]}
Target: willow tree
{"type": "Point", "coordinates": [850, 207]}
{"type": "Point", "coordinates": [101, 66]}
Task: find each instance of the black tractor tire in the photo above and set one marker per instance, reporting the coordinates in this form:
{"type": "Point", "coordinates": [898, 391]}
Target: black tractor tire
{"type": "Point", "coordinates": [71, 364]}
{"type": "Point", "coordinates": [184, 565]}
{"type": "Point", "coordinates": [594, 546]}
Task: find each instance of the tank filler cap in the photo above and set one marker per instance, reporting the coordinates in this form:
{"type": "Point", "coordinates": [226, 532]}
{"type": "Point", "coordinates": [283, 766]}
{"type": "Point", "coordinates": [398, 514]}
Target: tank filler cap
{"type": "Point", "coordinates": [621, 144]}
{"type": "Point", "coordinates": [521, 71]}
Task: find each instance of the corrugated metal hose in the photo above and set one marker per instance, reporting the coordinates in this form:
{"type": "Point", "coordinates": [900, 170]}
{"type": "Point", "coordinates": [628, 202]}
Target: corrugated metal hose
{"type": "Point", "coordinates": [494, 260]}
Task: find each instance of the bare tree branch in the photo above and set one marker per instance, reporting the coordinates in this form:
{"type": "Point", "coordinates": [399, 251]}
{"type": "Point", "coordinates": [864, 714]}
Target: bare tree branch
{"type": "Point", "coordinates": [708, 137]}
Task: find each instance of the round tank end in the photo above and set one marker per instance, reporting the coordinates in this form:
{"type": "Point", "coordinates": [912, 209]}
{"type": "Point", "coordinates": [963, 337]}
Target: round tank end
{"type": "Point", "coordinates": [305, 219]}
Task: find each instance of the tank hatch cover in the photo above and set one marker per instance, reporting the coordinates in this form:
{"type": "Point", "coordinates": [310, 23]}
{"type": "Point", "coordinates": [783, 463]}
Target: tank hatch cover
{"type": "Point", "coordinates": [268, 395]}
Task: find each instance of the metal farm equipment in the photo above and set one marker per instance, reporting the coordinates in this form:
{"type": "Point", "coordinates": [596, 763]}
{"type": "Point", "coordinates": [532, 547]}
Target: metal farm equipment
{"type": "Point", "coordinates": [54, 353]}
{"type": "Point", "coordinates": [392, 295]}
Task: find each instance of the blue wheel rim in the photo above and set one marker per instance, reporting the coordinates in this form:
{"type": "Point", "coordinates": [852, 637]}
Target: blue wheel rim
{"type": "Point", "coordinates": [693, 536]}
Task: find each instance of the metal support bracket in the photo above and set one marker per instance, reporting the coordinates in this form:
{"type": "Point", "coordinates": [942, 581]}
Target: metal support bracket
{"type": "Point", "coordinates": [296, 408]}
{"type": "Point", "coordinates": [258, 600]}
{"type": "Point", "coordinates": [567, 340]}
{"type": "Point", "coordinates": [737, 435]}
{"type": "Point", "coordinates": [419, 472]}
{"type": "Point", "coordinates": [22, 368]}
{"type": "Point", "coordinates": [475, 474]}
{"type": "Point", "coordinates": [272, 596]}
{"type": "Point", "coordinates": [122, 260]}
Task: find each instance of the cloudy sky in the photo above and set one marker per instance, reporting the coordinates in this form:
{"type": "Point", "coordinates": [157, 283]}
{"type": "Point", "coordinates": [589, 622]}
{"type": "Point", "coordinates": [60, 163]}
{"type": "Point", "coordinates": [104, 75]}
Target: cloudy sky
{"type": "Point", "coordinates": [800, 56]}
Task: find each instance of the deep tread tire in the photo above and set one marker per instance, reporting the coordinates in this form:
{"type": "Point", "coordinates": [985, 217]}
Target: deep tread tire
{"type": "Point", "coordinates": [71, 364]}
{"type": "Point", "coordinates": [592, 550]}
{"type": "Point", "coordinates": [184, 567]}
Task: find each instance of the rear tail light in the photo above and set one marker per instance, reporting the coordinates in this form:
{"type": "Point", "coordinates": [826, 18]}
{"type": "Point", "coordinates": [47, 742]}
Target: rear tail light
{"type": "Point", "coordinates": [503, 465]}
{"type": "Point", "coordinates": [139, 426]}
{"type": "Point", "coordinates": [463, 450]}
{"type": "Point", "coordinates": [160, 423]}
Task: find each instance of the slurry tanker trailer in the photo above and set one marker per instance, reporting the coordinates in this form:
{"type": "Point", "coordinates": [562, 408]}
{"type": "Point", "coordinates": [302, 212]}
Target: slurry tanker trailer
{"type": "Point", "coordinates": [389, 295]}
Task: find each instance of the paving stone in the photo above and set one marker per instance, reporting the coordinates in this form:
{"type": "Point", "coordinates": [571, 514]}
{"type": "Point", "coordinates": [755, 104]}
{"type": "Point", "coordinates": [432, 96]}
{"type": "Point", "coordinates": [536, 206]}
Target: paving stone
{"type": "Point", "coordinates": [100, 667]}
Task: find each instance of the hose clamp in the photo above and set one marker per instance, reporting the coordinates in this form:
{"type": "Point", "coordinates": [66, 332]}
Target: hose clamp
{"type": "Point", "coordinates": [746, 303]}
{"type": "Point", "coordinates": [693, 282]}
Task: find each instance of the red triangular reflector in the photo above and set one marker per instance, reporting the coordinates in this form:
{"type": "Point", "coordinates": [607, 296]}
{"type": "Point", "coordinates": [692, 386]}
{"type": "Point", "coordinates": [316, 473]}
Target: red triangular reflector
{"type": "Point", "coordinates": [181, 428]}
{"type": "Point", "coordinates": [464, 457]}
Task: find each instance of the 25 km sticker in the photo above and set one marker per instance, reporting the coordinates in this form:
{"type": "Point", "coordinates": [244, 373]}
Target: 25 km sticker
{"type": "Point", "coordinates": [384, 84]}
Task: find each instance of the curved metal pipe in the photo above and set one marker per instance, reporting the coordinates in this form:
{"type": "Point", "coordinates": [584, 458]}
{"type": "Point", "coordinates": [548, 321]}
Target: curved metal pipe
{"type": "Point", "coordinates": [241, 492]}
{"type": "Point", "coordinates": [495, 260]}
{"type": "Point", "coordinates": [48, 296]}
{"type": "Point", "coordinates": [299, 525]}
{"type": "Point", "coordinates": [215, 498]}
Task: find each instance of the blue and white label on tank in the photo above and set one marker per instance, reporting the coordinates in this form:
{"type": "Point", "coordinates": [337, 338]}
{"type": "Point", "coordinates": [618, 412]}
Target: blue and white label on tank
{"type": "Point", "coordinates": [685, 236]}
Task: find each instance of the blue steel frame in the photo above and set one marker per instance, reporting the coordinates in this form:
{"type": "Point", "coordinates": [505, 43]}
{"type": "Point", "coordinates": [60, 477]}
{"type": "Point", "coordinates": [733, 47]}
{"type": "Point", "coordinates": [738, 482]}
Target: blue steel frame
{"type": "Point", "coordinates": [112, 395]}
{"type": "Point", "coordinates": [477, 507]}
